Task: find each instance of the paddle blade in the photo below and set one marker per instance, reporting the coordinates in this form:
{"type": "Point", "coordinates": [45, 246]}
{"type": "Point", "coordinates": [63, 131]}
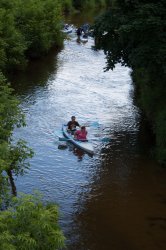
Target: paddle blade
{"type": "Point", "coordinates": [95, 124]}
{"type": "Point", "coordinates": [106, 139]}
{"type": "Point", "coordinates": [92, 124]}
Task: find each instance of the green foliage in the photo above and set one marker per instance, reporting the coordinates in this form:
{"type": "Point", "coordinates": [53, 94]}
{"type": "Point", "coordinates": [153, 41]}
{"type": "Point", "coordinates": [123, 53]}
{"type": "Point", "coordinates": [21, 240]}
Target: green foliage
{"type": "Point", "coordinates": [13, 155]}
{"type": "Point", "coordinates": [39, 22]}
{"type": "Point", "coordinates": [133, 33]}
{"type": "Point", "coordinates": [12, 42]}
{"type": "Point", "coordinates": [10, 113]}
{"type": "Point", "coordinates": [149, 93]}
{"type": "Point", "coordinates": [84, 4]}
{"type": "Point", "coordinates": [101, 3]}
{"type": "Point", "coordinates": [67, 5]}
{"type": "Point", "coordinates": [28, 29]}
{"type": "Point", "coordinates": [18, 157]}
{"type": "Point", "coordinates": [30, 225]}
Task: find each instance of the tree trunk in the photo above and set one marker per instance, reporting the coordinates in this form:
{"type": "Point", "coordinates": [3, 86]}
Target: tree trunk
{"type": "Point", "coordinates": [14, 191]}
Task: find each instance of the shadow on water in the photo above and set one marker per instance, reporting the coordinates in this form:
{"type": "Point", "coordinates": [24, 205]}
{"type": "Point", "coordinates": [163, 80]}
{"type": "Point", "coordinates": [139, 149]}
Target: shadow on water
{"type": "Point", "coordinates": [76, 151]}
{"type": "Point", "coordinates": [124, 207]}
{"type": "Point", "coordinates": [37, 74]}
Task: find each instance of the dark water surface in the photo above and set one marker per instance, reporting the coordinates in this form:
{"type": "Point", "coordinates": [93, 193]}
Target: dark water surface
{"type": "Point", "coordinates": [115, 200]}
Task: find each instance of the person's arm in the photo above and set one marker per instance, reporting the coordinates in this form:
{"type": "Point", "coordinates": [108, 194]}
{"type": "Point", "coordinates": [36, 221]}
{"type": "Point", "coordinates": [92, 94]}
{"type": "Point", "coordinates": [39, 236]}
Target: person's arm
{"type": "Point", "coordinates": [77, 124]}
{"type": "Point", "coordinates": [68, 126]}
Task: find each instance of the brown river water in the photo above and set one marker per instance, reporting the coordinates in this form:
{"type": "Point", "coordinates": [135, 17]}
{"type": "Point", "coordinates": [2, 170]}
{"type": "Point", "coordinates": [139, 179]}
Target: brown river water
{"type": "Point", "coordinates": [115, 200]}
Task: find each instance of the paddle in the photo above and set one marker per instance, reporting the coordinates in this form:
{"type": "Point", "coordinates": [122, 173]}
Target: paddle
{"type": "Point", "coordinates": [92, 124]}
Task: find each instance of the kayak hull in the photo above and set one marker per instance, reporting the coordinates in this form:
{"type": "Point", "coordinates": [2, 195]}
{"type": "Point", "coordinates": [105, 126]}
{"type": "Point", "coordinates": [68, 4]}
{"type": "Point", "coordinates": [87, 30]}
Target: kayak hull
{"type": "Point", "coordinates": [67, 29]}
{"type": "Point", "coordinates": [83, 39]}
{"type": "Point", "coordinates": [84, 145]}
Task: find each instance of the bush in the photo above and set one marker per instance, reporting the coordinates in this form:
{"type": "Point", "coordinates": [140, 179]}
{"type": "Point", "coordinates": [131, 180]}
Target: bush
{"type": "Point", "coordinates": [30, 225]}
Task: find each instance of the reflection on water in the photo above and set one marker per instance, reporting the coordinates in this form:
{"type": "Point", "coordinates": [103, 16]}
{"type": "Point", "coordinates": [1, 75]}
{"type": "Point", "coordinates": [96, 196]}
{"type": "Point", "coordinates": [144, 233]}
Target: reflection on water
{"type": "Point", "coordinates": [116, 199]}
{"type": "Point", "coordinates": [77, 152]}
{"type": "Point", "coordinates": [36, 75]}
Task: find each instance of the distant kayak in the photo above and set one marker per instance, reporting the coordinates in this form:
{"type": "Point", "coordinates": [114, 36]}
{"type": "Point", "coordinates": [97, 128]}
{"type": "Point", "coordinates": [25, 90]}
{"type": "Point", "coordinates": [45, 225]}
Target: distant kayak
{"type": "Point", "coordinates": [67, 29]}
{"type": "Point", "coordinates": [86, 146]}
{"type": "Point", "coordinates": [83, 38]}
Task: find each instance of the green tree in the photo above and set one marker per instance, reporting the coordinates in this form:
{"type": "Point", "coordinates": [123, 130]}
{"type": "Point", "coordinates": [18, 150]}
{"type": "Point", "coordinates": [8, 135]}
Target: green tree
{"type": "Point", "coordinates": [133, 33]}
{"type": "Point", "coordinates": [28, 29]}
{"type": "Point", "coordinates": [40, 23]}
{"type": "Point", "coordinates": [67, 6]}
{"type": "Point", "coordinates": [30, 225]}
{"type": "Point", "coordinates": [84, 4]}
{"type": "Point", "coordinates": [12, 43]}
{"type": "Point", "coordinates": [13, 154]}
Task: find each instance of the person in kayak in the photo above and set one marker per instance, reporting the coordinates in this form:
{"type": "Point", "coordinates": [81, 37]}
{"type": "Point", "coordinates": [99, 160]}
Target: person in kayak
{"type": "Point", "coordinates": [81, 134]}
{"type": "Point", "coordinates": [71, 125]}
{"type": "Point", "coordinates": [79, 31]}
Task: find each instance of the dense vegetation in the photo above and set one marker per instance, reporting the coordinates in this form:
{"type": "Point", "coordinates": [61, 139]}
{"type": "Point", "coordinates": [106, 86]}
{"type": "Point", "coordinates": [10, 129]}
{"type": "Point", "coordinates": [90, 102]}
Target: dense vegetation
{"type": "Point", "coordinates": [27, 224]}
{"type": "Point", "coordinates": [133, 33]}
{"type": "Point", "coordinates": [84, 4]}
{"type": "Point", "coordinates": [27, 29]}
{"type": "Point", "coordinates": [13, 154]}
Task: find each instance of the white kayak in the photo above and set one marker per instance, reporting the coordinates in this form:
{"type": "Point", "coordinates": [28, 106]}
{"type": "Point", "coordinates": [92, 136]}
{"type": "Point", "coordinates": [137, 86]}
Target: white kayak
{"type": "Point", "coordinates": [83, 38]}
{"type": "Point", "coordinates": [67, 29]}
{"type": "Point", "coordinates": [86, 146]}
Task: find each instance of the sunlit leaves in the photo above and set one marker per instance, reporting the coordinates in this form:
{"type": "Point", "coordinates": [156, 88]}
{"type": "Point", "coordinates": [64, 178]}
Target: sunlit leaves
{"type": "Point", "coordinates": [30, 225]}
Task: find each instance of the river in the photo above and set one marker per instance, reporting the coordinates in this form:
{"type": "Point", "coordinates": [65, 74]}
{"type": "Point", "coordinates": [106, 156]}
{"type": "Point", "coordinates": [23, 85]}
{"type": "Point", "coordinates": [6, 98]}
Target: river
{"type": "Point", "coordinates": [116, 199]}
